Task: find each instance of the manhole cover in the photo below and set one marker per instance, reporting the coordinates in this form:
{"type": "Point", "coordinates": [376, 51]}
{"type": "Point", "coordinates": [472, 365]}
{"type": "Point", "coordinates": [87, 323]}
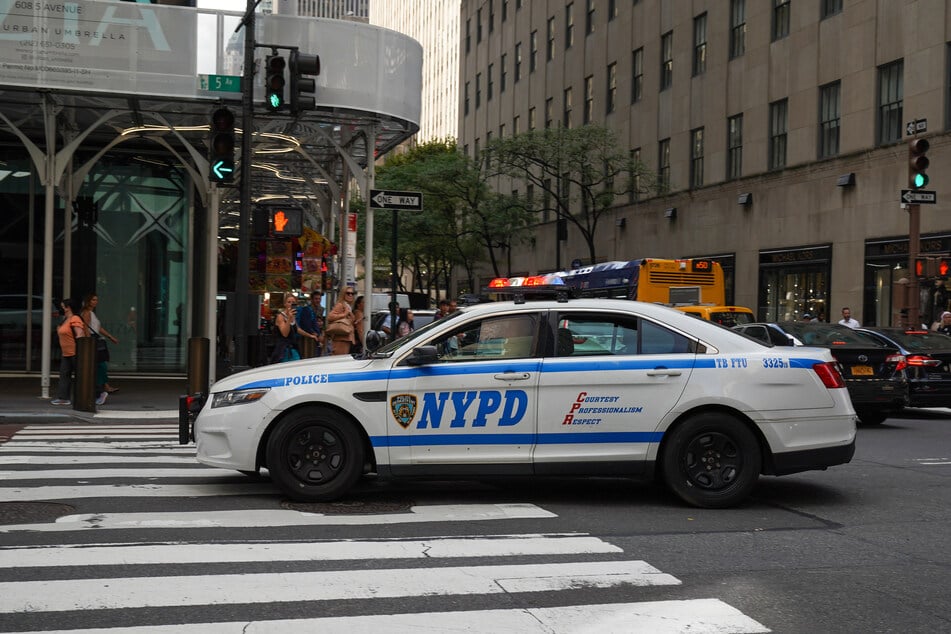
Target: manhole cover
{"type": "Point", "coordinates": [32, 512]}
{"type": "Point", "coordinates": [351, 507]}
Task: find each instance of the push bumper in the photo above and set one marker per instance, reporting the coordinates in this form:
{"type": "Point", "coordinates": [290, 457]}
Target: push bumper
{"type": "Point", "coordinates": [188, 407]}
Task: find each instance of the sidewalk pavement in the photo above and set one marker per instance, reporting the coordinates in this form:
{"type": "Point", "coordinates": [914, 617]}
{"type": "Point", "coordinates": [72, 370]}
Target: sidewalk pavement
{"type": "Point", "coordinates": [138, 399]}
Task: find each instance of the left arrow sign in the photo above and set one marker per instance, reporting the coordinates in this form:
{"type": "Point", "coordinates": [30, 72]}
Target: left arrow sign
{"type": "Point", "coordinates": [222, 170]}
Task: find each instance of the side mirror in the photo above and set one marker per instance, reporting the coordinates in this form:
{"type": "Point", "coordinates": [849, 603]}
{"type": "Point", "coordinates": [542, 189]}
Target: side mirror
{"type": "Point", "coordinates": [423, 355]}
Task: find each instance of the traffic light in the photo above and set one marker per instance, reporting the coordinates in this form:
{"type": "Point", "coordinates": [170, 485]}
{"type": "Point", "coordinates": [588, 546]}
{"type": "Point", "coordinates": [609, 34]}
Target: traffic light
{"type": "Point", "coordinates": [274, 82]}
{"type": "Point", "coordinates": [303, 88]}
{"type": "Point", "coordinates": [921, 268]}
{"type": "Point", "coordinates": [221, 147]}
{"type": "Point", "coordinates": [943, 268]}
{"type": "Point", "coordinates": [87, 210]}
{"type": "Point", "coordinates": [918, 163]}
{"type": "Point", "coordinates": [286, 222]}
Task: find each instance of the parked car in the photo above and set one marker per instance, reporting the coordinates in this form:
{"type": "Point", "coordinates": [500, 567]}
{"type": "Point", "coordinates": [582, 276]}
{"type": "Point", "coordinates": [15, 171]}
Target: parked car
{"type": "Point", "coordinates": [927, 364]}
{"type": "Point", "coordinates": [872, 369]}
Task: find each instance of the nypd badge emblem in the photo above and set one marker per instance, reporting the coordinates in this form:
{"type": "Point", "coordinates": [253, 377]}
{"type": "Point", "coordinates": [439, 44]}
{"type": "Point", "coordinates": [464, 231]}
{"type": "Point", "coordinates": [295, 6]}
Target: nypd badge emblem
{"type": "Point", "coordinates": [403, 407]}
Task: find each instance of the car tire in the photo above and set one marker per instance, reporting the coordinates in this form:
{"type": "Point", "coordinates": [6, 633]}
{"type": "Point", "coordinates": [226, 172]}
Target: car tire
{"type": "Point", "coordinates": [868, 417]}
{"type": "Point", "coordinates": [711, 460]}
{"type": "Point", "coordinates": [315, 455]}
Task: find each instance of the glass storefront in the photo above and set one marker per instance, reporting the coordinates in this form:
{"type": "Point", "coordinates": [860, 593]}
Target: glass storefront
{"type": "Point", "coordinates": [134, 256]}
{"type": "Point", "coordinates": [795, 282]}
{"type": "Point", "coordinates": [887, 273]}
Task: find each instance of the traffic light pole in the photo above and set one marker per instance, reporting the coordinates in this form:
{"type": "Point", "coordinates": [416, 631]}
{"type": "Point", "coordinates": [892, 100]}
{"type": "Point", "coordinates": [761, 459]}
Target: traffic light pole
{"type": "Point", "coordinates": [913, 302]}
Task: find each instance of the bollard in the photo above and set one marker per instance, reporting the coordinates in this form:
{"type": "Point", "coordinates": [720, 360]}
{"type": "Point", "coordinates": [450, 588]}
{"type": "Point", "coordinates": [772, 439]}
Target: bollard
{"type": "Point", "coordinates": [306, 347]}
{"type": "Point", "coordinates": [198, 365]}
{"type": "Point", "coordinates": [84, 392]}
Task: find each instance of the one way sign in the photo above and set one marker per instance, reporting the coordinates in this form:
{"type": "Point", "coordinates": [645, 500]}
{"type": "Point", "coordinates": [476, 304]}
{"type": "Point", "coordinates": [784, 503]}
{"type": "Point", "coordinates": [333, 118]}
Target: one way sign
{"type": "Point", "coordinates": [919, 197]}
{"type": "Point", "coordinates": [382, 199]}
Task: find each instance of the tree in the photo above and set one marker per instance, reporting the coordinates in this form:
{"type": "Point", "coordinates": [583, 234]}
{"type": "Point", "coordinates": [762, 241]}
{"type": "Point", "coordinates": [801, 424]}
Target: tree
{"type": "Point", "coordinates": [582, 170]}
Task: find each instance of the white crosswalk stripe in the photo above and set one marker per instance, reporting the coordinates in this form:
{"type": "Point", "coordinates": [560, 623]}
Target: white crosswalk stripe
{"type": "Point", "coordinates": [106, 585]}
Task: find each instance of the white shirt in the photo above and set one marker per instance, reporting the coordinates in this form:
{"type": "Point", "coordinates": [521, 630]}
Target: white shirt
{"type": "Point", "coordinates": [850, 322]}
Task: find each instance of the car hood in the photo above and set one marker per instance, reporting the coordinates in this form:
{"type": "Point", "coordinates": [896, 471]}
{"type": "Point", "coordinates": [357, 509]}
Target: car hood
{"type": "Point", "coordinates": [290, 373]}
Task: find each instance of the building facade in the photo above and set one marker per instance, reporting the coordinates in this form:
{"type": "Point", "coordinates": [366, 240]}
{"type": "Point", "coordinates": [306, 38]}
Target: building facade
{"type": "Point", "coordinates": [778, 128]}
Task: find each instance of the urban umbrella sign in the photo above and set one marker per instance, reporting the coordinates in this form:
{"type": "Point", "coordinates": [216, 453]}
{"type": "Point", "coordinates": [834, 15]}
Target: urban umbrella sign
{"type": "Point", "coordinates": [383, 199]}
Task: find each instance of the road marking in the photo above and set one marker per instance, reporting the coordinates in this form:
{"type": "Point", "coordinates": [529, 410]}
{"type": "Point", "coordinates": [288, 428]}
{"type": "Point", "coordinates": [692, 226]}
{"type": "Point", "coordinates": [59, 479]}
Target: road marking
{"type": "Point", "coordinates": [95, 429]}
{"type": "Point", "coordinates": [41, 459]}
{"type": "Point", "coordinates": [281, 517]}
{"type": "Point", "coordinates": [33, 494]}
{"type": "Point", "coordinates": [142, 592]}
{"type": "Point", "coordinates": [92, 473]}
{"type": "Point", "coordinates": [931, 462]}
{"type": "Point", "coordinates": [165, 445]}
{"type": "Point", "coordinates": [179, 553]}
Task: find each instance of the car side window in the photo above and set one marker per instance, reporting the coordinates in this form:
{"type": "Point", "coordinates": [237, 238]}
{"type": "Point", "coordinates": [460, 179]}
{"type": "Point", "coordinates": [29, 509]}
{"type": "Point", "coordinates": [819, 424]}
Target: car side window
{"type": "Point", "coordinates": [489, 339]}
{"type": "Point", "coordinates": [580, 335]}
{"type": "Point", "coordinates": [656, 339]}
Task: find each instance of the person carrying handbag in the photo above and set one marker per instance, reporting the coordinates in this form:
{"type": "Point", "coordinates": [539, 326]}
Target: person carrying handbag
{"type": "Point", "coordinates": [285, 322]}
{"type": "Point", "coordinates": [340, 327]}
{"type": "Point", "coordinates": [103, 389]}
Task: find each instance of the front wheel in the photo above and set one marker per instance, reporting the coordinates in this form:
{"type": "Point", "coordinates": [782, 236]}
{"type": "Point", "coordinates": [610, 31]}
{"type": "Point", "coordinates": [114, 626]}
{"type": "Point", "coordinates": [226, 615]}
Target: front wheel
{"type": "Point", "coordinates": [315, 455]}
{"type": "Point", "coordinates": [711, 460]}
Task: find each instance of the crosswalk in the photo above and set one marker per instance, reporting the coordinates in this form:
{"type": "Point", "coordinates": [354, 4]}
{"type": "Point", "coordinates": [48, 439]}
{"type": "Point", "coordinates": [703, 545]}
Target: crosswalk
{"type": "Point", "coordinates": [159, 543]}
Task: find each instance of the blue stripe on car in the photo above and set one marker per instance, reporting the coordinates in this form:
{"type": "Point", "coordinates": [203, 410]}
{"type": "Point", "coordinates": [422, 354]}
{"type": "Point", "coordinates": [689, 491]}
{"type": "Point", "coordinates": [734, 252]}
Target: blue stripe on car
{"type": "Point", "coordinates": [422, 440]}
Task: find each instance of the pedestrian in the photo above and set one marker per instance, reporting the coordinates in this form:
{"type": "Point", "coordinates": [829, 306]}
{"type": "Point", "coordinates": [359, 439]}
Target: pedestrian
{"type": "Point", "coordinates": [286, 332]}
{"type": "Point", "coordinates": [358, 311]}
{"type": "Point", "coordinates": [308, 324]}
{"type": "Point", "coordinates": [392, 315]}
{"type": "Point", "coordinates": [340, 326]}
{"type": "Point", "coordinates": [405, 324]}
{"type": "Point", "coordinates": [69, 331]}
{"type": "Point", "coordinates": [806, 317]}
{"type": "Point", "coordinates": [103, 389]}
{"type": "Point", "coordinates": [443, 309]}
{"type": "Point", "coordinates": [945, 326]}
{"type": "Point", "coordinates": [848, 320]}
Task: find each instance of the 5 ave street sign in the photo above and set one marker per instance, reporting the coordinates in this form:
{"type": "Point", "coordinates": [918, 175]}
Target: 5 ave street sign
{"type": "Point", "coordinates": [916, 126]}
{"type": "Point", "coordinates": [219, 83]}
{"type": "Point", "coordinates": [382, 199]}
{"type": "Point", "coordinates": [919, 197]}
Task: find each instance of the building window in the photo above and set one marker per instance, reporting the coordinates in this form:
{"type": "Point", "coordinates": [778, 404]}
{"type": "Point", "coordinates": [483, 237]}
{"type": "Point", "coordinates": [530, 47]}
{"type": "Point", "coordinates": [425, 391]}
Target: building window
{"type": "Point", "coordinates": [491, 16]}
{"type": "Point", "coordinates": [700, 44]}
{"type": "Point", "coordinates": [501, 130]}
{"type": "Point", "coordinates": [518, 61]}
{"type": "Point", "coordinates": [637, 75]}
{"type": "Point", "coordinates": [778, 125]}
{"type": "Point", "coordinates": [610, 101]}
{"type": "Point", "coordinates": [478, 89]}
{"type": "Point", "coordinates": [546, 200]}
{"type": "Point", "coordinates": [589, 18]}
{"type": "Point", "coordinates": [465, 100]}
{"type": "Point", "coordinates": [829, 115]}
{"type": "Point", "coordinates": [612, 9]}
{"type": "Point", "coordinates": [488, 83]}
{"type": "Point", "coordinates": [531, 118]}
{"type": "Point", "coordinates": [588, 98]}
{"type": "Point", "coordinates": [663, 165]}
{"type": "Point", "coordinates": [505, 10]}
{"type": "Point", "coordinates": [566, 114]}
{"type": "Point", "coordinates": [635, 175]}
{"type": "Point", "coordinates": [666, 60]}
{"type": "Point", "coordinates": [780, 19]}
{"type": "Point", "coordinates": [696, 158]}
{"type": "Point", "coordinates": [488, 137]}
{"type": "Point", "coordinates": [569, 25]}
{"type": "Point", "coordinates": [737, 28]}
{"type": "Point", "coordinates": [830, 8]}
{"type": "Point", "coordinates": [468, 35]}
{"type": "Point", "coordinates": [533, 52]}
{"type": "Point", "coordinates": [478, 25]}
{"type": "Point", "coordinates": [516, 129]}
{"type": "Point", "coordinates": [549, 108]}
{"type": "Point", "coordinates": [891, 94]}
{"type": "Point", "coordinates": [502, 73]}
{"type": "Point", "coordinates": [550, 52]}
{"type": "Point", "coordinates": [734, 147]}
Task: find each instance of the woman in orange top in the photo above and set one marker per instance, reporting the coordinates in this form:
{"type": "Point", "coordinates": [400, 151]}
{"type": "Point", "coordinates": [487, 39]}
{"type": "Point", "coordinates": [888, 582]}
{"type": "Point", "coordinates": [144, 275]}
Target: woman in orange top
{"type": "Point", "coordinates": [71, 329]}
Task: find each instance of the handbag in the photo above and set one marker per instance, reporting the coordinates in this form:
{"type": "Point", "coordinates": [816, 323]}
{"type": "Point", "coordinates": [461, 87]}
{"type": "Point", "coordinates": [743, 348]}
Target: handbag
{"type": "Point", "coordinates": [339, 328]}
{"type": "Point", "coordinates": [102, 349]}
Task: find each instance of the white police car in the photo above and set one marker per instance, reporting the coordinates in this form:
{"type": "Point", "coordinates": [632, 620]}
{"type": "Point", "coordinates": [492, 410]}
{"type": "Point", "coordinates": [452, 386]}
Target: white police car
{"type": "Point", "coordinates": [572, 387]}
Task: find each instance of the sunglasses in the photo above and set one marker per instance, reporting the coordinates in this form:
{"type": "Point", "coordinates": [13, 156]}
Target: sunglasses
{"type": "Point", "coordinates": [349, 293]}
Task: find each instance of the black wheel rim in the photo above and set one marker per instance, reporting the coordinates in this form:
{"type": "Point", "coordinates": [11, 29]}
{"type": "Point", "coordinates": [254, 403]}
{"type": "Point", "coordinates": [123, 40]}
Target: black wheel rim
{"type": "Point", "coordinates": [315, 454]}
{"type": "Point", "coordinates": [713, 461]}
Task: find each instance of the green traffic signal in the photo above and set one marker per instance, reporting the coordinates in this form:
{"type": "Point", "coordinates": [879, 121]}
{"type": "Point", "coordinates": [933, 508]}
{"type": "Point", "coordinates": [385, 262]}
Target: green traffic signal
{"type": "Point", "coordinates": [274, 101]}
{"type": "Point", "coordinates": [920, 180]}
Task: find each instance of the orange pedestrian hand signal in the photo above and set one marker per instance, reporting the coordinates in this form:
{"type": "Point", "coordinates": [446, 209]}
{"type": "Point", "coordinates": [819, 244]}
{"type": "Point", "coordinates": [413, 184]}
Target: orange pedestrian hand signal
{"type": "Point", "coordinates": [280, 221]}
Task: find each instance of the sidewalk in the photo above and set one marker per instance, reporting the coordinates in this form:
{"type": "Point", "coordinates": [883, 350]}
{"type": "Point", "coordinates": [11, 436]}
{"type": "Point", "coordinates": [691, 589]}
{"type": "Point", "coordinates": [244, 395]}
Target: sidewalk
{"type": "Point", "coordinates": [138, 399]}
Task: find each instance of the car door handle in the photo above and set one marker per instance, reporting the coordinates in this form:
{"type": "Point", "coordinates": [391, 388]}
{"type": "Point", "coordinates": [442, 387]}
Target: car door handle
{"type": "Point", "coordinates": [663, 372]}
{"type": "Point", "coordinates": [513, 376]}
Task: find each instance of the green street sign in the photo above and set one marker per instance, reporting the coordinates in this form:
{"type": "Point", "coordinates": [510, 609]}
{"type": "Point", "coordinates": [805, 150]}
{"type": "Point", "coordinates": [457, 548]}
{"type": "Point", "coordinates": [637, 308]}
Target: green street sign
{"type": "Point", "coordinates": [219, 83]}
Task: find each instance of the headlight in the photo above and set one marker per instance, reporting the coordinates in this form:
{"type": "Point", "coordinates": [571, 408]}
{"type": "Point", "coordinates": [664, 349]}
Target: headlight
{"type": "Point", "coordinates": [238, 397]}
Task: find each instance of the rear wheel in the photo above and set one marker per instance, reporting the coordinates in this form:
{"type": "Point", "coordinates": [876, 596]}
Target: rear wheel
{"type": "Point", "coordinates": [315, 455]}
{"type": "Point", "coordinates": [711, 460]}
{"type": "Point", "coordinates": [871, 417]}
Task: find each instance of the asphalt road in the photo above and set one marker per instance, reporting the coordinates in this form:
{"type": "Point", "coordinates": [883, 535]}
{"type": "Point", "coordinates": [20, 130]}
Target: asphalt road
{"type": "Point", "coordinates": [863, 547]}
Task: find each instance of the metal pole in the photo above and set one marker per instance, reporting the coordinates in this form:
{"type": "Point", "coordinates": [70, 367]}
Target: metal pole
{"type": "Point", "coordinates": [244, 216]}
{"type": "Point", "coordinates": [393, 272]}
{"type": "Point", "coordinates": [368, 245]}
{"type": "Point", "coordinates": [914, 246]}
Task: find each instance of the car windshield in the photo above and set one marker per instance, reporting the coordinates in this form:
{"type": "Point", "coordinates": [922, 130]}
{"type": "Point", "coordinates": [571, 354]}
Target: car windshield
{"type": "Point", "coordinates": [388, 349]}
{"type": "Point", "coordinates": [821, 334]}
{"type": "Point", "coordinates": [920, 340]}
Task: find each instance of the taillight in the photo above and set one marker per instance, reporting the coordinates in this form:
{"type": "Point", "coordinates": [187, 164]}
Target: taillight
{"type": "Point", "coordinates": [923, 360]}
{"type": "Point", "coordinates": [829, 374]}
{"type": "Point", "coordinates": [899, 360]}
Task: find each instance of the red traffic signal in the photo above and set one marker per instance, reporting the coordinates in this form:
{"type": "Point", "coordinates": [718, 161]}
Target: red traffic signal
{"type": "Point", "coordinates": [921, 268]}
{"type": "Point", "coordinates": [944, 267]}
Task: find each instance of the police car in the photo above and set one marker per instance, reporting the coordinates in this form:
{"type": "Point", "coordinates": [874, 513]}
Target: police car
{"type": "Point", "coordinates": [543, 387]}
